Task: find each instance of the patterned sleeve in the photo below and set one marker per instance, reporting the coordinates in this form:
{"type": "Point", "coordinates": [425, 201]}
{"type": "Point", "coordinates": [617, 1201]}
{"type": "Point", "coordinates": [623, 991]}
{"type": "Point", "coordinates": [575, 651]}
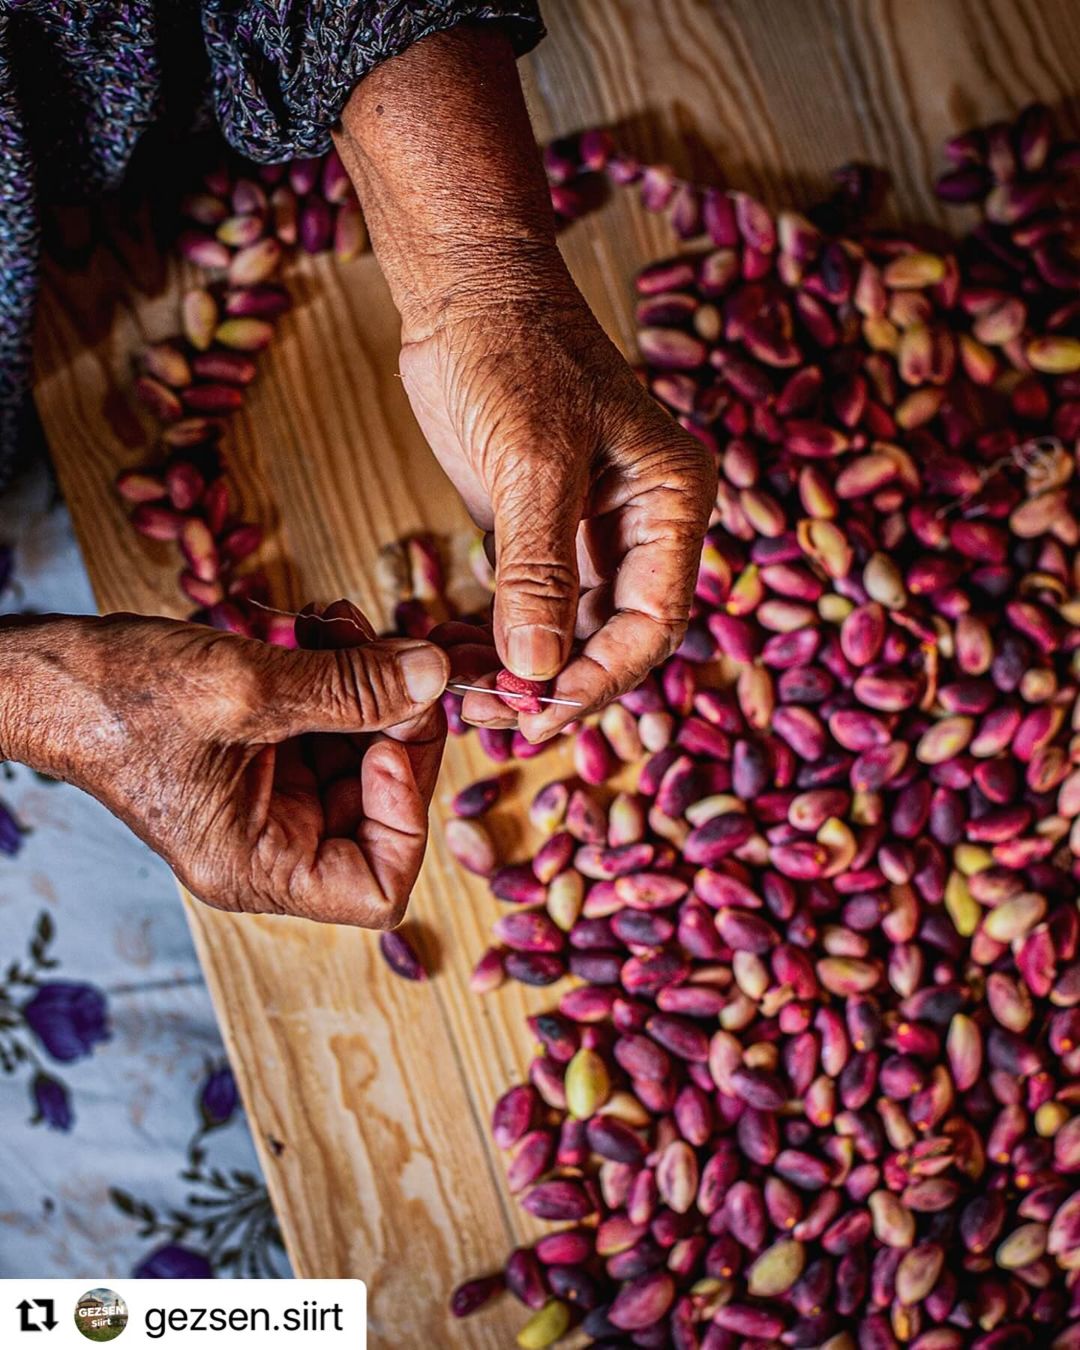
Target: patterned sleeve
{"type": "Point", "coordinates": [283, 69]}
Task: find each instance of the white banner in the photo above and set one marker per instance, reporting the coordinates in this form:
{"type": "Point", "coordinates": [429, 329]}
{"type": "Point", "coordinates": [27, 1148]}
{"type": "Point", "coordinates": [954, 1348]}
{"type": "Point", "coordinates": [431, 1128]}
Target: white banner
{"type": "Point", "coordinates": [75, 1314]}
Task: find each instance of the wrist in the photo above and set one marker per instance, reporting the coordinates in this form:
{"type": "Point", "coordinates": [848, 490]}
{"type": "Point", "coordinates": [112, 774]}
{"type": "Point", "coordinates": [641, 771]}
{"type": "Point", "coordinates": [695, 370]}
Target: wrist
{"type": "Point", "coordinates": [47, 712]}
{"type": "Point", "coordinates": [492, 290]}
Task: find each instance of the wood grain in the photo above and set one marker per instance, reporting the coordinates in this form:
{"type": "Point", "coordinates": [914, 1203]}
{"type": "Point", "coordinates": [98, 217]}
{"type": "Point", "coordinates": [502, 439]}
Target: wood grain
{"type": "Point", "coordinates": [369, 1097]}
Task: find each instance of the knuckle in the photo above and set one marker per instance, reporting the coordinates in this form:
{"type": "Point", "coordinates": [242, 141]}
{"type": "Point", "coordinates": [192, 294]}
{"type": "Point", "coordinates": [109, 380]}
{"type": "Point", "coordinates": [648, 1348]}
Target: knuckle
{"type": "Point", "coordinates": [544, 580]}
{"type": "Point", "coordinates": [669, 627]}
{"type": "Point", "coordinates": [686, 533]}
{"type": "Point", "coordinates": [276, 880]}
{"type": "Point", "coordinates": [388, 911]}
{"type": "Point", "coordinates": [367, 684]}
{"type": "Point", "coordinates": [667, 634]}
{"type": "Point", "coordinates": [689, 468]}
{"type": "Point", "coordinates": [235, 689]}
{"type": "Point", "coordinates": [700, 471]}
{"type": "Point", "coordinates": [662, 452]}
{"type": "Point", "coordinates": [694, 454]}
{"type": "Point", "coordinates": [220, 887]}
{"type": "Point", "coordinates": [676, 631]}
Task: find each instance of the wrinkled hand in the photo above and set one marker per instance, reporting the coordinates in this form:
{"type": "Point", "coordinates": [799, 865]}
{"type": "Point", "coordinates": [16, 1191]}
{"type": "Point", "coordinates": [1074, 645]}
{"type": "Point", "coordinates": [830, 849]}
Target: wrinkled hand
{"type": "Point", "coordinates": [271, 781]}
{"type": "Point", "coordinates": [598, 500]}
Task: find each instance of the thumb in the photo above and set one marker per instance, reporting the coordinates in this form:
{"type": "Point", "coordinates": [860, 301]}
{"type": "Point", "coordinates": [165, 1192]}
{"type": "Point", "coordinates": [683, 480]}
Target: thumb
{"type": "Point", "coordinates": [356, 689]}
{"type": "Point", "coordinates": [537, 514]}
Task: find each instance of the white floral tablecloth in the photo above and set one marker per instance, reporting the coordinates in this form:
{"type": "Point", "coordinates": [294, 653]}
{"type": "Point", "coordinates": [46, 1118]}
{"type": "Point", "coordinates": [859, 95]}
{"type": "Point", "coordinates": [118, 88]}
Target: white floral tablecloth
{"type": "Point", "coordinates": [123, 1148]}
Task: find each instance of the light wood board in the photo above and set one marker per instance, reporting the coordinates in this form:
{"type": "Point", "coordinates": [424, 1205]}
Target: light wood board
{"type": "Point", "coordinates": [369, 1097]}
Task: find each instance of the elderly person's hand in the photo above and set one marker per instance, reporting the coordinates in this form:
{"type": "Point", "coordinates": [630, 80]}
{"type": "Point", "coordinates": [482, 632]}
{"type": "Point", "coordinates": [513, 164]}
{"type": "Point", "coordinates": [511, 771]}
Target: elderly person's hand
{"type": "Point", "coordinates": [597, 499]}
{"type": "Point", "coordinates": [271, 781]}
{"type": "Point", "coordinates": [299, 781]}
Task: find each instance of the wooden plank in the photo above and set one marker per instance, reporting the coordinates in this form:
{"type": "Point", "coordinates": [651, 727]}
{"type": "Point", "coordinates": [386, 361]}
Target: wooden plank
{"type": "Point", "coordinates": [369, 1097]}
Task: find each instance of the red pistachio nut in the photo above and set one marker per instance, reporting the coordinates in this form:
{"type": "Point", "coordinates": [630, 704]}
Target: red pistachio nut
{"type": "Point", "coordinates": [525, 1279]}
{"type": "Point", "coordinates": [534, 967]}
{"type": "Point", "coordinates": [513, 1114]}
{"type": "Point", "coordinates": [746, 1319]}
{"type": "Point", "coordinates": [222, 367]}
{"type": "Point", "coordinates": [758, 1088]}
{"type": "Point", "coordinates": [642, 1302]}
{"type": "Point", "coordinates": [472, 1295]}
{"type": "Point", "coordinates": [471, 846]}
{"type": "Point", "coordinates": [529, 931]}
{"type": "Point", "coordinates": [514, 882]}
{"type": "Point", "coordinates": [136, 486]}
{"type": "Point", "coordinates": [401, 956]}
{"type": "Point", "coordinates": [571, 1246]}
{"type": "Point", "coordinates": [558, 1200]}
{"type": "Point", "coordinates": [488, 973]}
{"type": "Point", "coordinates": [803, 1169]}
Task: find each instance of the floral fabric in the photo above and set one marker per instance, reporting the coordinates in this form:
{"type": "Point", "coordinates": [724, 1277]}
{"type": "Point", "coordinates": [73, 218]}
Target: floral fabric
{"type": "Point", "coordinates": [123, 1147]}
{"type": "Point", "coordinates": [81, 81]}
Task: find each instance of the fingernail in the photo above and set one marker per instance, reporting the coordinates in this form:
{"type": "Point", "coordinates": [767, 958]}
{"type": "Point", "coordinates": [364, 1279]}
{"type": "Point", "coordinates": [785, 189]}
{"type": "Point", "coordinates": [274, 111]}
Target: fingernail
{"type": "Point", "coordinates": [424, 671]}
{"type": "Point", "coordinates": [534, 653]}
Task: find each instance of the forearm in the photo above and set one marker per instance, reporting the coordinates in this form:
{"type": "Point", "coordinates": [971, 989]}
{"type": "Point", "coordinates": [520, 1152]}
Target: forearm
{"type": "Point", "coordinates": [529, 407]}
{"type": "Point", "coordinates": [45, 666]}
{"type": "Point", "coordinates": [439, 145]}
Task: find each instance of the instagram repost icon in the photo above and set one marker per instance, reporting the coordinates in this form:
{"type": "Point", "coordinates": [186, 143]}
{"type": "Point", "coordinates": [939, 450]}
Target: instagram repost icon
{"type": "Point", "coordinates": [101, 1315]}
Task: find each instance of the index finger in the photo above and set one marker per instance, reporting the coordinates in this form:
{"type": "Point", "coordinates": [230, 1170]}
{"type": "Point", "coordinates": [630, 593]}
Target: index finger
{"type": "Point", "coordinates": [652, 594]}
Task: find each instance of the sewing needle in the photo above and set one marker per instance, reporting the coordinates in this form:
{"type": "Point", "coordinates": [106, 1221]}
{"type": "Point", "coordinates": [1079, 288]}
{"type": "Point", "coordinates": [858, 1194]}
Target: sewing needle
{"type": "Point", "coordinates": [506, 693]}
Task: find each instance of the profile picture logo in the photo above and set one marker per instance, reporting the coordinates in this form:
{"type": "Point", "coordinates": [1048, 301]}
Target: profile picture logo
{"type": "Point", "coordinates": [101, 1314]}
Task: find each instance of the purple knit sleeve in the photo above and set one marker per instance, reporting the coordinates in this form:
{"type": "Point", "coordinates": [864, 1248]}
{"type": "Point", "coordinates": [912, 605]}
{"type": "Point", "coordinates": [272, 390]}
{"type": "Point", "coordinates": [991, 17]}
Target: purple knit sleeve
{"type": "Point", "coordinates": [283, 69]}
